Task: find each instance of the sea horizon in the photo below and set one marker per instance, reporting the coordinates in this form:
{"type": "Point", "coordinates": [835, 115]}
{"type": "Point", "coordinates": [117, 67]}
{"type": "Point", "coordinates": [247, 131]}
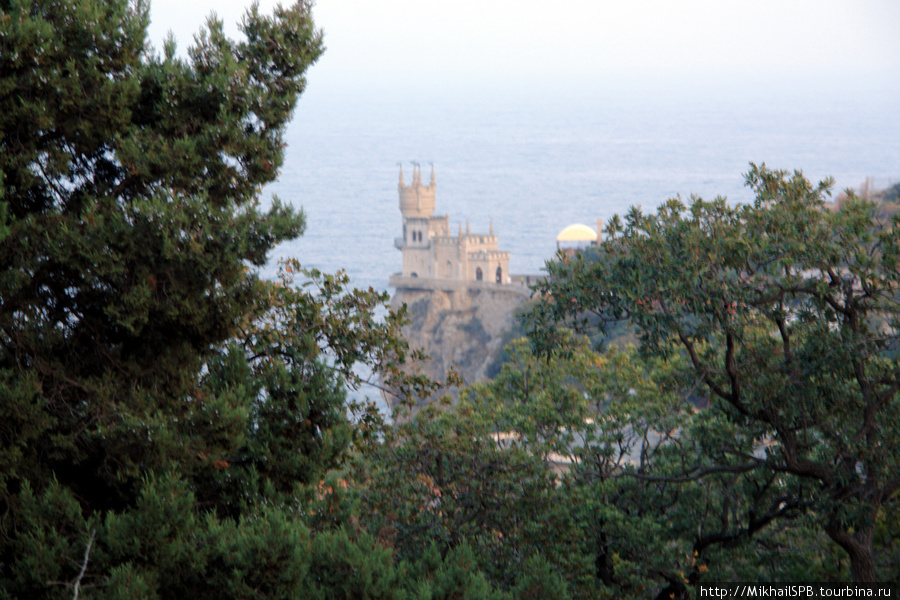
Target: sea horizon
{"type": "Point", "coordinates": [533, 164]}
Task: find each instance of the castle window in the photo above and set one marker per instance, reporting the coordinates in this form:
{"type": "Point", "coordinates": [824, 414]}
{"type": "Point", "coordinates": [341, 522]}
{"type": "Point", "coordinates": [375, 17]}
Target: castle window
{"type": "Point", "coordinates": [478, 274]}
{"type": "Point", "coordinates": [499, 275]}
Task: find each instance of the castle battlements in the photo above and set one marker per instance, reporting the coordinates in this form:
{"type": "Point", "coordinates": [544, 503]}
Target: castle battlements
{"type": "Point", "coordinates": [429, 249]}
{"type": "Point", "coordinates": [489, 254]}
{"type": "Point", "coordinates": [416, 200]}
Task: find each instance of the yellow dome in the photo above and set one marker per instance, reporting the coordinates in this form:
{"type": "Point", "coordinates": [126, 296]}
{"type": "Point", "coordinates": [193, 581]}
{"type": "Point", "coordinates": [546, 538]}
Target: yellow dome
{"type": "Point", "coordinates": [577, 233]}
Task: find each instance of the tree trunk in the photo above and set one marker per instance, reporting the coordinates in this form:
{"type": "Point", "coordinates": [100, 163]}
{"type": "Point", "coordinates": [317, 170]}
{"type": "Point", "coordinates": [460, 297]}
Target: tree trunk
{"type": "Point", "coordinates": [858, 546]}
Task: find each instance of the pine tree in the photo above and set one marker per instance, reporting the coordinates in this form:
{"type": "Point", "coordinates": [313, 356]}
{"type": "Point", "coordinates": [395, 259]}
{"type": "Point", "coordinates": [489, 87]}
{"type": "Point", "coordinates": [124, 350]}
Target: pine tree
{"type": "Point", "coordinates": [159, 403]}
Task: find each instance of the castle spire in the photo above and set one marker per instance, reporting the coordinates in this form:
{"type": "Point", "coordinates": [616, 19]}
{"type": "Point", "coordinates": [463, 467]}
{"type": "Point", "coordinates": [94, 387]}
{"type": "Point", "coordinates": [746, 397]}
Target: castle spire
{"type": "Point", "coordinates": [467, 227]}
{"type": "Point", "coordinates": [459, 235]}
{"type": "Point", "coordinates": [492, 228]}
{"type": "Point", "coordinates": [401, 173]}
{"type": "Point", "coordinates": [432, 176]}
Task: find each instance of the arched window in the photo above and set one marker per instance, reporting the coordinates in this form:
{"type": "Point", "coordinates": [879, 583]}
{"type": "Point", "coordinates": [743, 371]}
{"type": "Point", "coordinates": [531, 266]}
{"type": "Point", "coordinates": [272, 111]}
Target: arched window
{"type": "Point", "coordinates": [478, 274]}
{"type": "Point", "coordinates": [499, 275]}
{"type": "Point", "coordinates": [448, 270]}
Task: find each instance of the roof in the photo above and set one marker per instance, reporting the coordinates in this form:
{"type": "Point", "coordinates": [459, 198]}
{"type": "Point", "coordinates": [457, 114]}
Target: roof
{"type": "Point", "coordinates": [577, 233]}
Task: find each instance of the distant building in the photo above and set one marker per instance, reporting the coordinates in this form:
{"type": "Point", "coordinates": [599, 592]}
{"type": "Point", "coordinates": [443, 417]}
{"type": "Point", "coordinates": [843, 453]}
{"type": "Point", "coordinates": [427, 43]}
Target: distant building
{"type": "Point", "coordinates": [578, 236]}
{"type": "Point", "coordinates": [430, 251]}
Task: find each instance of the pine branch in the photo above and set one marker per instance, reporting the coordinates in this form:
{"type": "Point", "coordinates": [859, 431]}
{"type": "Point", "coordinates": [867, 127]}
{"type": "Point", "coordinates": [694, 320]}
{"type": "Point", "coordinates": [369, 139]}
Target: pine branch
{"type": "Point", "coordinates": [87, 553]}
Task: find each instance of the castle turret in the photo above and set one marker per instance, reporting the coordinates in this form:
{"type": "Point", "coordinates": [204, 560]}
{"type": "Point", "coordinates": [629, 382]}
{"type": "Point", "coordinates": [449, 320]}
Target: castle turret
{"type": "Point", "coordinates": [417, 200]}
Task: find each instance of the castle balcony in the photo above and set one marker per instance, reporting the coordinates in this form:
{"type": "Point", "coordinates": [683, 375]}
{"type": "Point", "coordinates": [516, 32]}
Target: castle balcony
{"type": "Point", "coordinates": [399, 244]}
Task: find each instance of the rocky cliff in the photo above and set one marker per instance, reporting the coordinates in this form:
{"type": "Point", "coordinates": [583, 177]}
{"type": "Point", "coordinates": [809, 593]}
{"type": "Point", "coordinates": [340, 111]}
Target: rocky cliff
{"type": "Point", "coordinates": [462, 326]}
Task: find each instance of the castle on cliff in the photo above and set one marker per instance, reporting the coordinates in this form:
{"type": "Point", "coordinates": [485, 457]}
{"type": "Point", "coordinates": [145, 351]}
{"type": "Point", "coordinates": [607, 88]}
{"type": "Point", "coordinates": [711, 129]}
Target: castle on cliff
{"type": "Point", "coordinates": [431, 251]}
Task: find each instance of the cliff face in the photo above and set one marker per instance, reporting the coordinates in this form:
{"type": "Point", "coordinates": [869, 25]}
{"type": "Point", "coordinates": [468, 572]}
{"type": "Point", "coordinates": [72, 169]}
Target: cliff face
{"type": "Point", "coordinates": [464, 327]}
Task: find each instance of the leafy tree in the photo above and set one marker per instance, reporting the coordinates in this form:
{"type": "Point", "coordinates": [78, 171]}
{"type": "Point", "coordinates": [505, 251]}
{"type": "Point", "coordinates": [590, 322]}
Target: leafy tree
{"type": "Point", "coordinates": [617, 517]}
{"type": "Point", "coordinates": [164, 413]}
{"type": "Point", "coordinates": [784, 313]}
{"type": "Point", "coordinates": [603, 423]}
{"type": "Point", "coordinates": [444, 478]}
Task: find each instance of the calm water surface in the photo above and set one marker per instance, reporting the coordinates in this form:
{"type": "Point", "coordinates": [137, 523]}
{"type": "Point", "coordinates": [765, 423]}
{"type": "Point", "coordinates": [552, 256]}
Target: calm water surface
{"type": "Point", "coordinates": [535, 166]}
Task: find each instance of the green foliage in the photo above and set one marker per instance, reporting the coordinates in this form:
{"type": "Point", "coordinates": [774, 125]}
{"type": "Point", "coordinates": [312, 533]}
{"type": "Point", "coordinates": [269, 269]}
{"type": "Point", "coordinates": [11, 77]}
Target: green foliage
{"type": "Point", "coordinates": [527, 472]}
{"type": "Point", "coordinates": [540, 582]}
{"type": "Point", "coordinates": [343, 567]}
{"type": "Point", "coordinates": [131, 187]}
{"type": "Point", "coordinates": [443, 478]}
{"type": "Point", "coordinates": [166, 415]}
{"type": "Point", "coordinates": [453, 576]}
{"type": "Point", "coordinates": [590, 418]}
{"type": "Point", "coordinates": [784, 313]}
{"type": "Point", "coordinates": [644, 494]}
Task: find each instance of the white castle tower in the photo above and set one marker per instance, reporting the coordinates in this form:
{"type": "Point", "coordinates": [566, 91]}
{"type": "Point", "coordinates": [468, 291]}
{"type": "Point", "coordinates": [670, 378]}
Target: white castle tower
{"type": "Point", "coordinates": [431, 252]}
{"type": "Point", "coordinates": [416, 200]}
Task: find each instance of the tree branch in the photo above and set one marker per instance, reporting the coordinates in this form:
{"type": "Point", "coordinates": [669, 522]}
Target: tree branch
{"type": "Point", "coordinates": [704, 373]}
{"type": "Point", "coordinates": [693, 477]}
{"type": "Point", "coordinates": [87, 554]}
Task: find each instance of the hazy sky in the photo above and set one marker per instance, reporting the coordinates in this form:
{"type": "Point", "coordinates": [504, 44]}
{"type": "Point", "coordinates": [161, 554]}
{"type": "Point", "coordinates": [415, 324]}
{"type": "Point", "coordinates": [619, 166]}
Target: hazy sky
{"type": "Point", "coordinates": [467, 43]}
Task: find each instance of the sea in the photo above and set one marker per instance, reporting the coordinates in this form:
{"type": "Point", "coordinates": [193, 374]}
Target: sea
{"type": "Point", "coordinates": [533, 162]}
